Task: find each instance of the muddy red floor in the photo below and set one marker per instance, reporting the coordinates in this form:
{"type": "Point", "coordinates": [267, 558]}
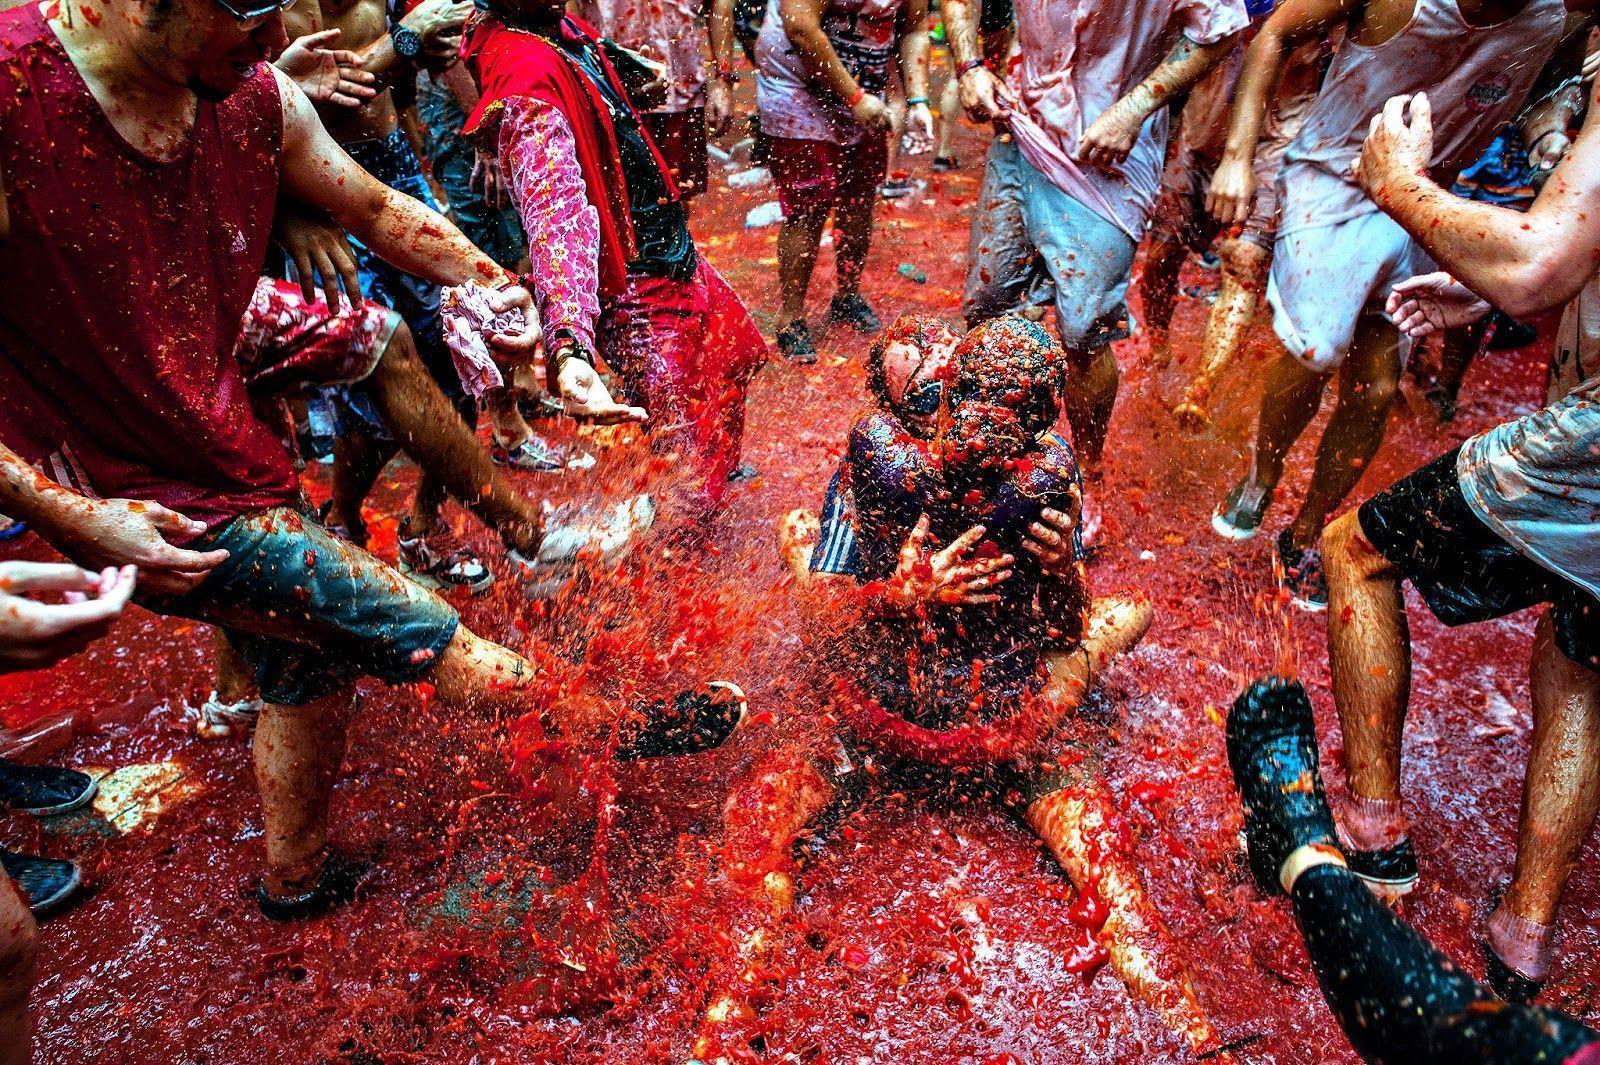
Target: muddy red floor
{"type": "Point", "coordinates": [924, 931]}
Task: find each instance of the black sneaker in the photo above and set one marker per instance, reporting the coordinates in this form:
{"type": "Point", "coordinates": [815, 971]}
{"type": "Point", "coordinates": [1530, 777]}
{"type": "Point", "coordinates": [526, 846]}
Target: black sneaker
{"type": "Point", "coordinates": [854, 312]}
{"type": "Point", "coordinates": [1272, 750]}
{"type": "Point", "coordinates": [539, 455]}
{"type": "Point", "coordinates": [1302, 575]}
{"type": "Point", "coordinates": [897, 188]}
{"type": "Point", "coordinates": [1241, 513]}
{"type": "Point", "coordinates": [43, 790]}
{"type": "Point", "coordinates": [794, 343]}
{"type": "Point", "coordinates": [438, 561]}
{"type": "Point", "coordinates": [742, 472]}
{"type": "Point", "coordinates": [1505, 981]}
{"type": "Point", "coordinates": [689, 723]}
{"type": "Point", "coordinates": [1390, 872]}
{"type": "Point", "coordinates": [336, 885]}
{"type": "Point", "coordinates": [943, 164]}
{"type": "Point", "coordinates": [45, 882]}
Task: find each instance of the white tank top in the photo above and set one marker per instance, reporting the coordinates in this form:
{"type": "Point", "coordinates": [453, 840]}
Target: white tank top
{"type": "Point", "coordinates": [863, 34]}
{"type": "Point", "coordinates": [1476, 78]}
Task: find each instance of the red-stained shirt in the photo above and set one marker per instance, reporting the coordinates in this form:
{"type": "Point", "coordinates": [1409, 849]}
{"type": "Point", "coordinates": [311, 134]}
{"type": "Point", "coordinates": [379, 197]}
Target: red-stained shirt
{"type": "Point", "coordinates": [126, 282]}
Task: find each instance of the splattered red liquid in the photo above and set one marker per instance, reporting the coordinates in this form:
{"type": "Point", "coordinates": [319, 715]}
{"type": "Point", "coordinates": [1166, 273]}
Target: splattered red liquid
{"type": "Point", "coordinates": [924, 929]}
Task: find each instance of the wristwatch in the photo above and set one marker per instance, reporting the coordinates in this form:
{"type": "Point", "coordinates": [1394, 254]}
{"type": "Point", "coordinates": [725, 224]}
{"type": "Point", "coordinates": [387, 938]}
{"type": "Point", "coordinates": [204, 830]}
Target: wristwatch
{"type": "Point", "coordinates": [407, 42]}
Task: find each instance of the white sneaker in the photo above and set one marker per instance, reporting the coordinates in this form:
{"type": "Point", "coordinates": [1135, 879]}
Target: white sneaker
{"type": "Point", "coordinates": [572, 535]}
{"type": "Point", "coordinates": [217, 720]}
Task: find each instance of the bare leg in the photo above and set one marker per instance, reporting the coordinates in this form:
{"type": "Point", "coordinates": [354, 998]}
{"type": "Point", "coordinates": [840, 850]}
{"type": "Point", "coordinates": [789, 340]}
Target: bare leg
{"type": "Point", "coordinates": [1456, 353]}
{"type": "Point", "coordinates": [426, 503]}
{"type": "Point", "coordinates": [1368, 384]}
{"type": "Point", "coordinates": [18, 948]}
{"type": "Point", "coordinates": [1561, 792]}
{"type": "Point", "coordinates": [854, 218]}
{"type": "Point", "coordinates": [799, 240]}
{"type": "Point", "coordinates": [1075, 818]}
{"type": "Point", "coordinates": [1090, 396]}
{"type": "Point", "coordinates": [1244, 276]}
{"type": "Point", "coordinates": [298, 750]}
{"type": "Point", "coordinates": [235, 682]}
{"type": "Point", "coordinates": [1369, 651]}
{"type": "Point", "coordinates": [1163, 260]}
{"type": "Point", "coordinates": [949, 112]}
{"type": "Point", "coordinates": [506, 422]}
{"type": "Point", "coordinates": [432, 433]}
{"type": "Point", "coordinates": [1289, 400]}
{"type": "Point", "coordinates": [357, 461]}
{"type": "Point", "coordinates": [766, 811]}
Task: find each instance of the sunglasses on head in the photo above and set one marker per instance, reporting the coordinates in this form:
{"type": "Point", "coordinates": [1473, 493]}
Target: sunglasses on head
{"type": "Point", "coordinates": [246, 10]}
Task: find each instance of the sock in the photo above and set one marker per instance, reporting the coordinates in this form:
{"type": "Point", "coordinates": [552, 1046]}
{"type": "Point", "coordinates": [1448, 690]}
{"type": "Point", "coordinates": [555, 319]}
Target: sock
{"type": "Point", "coordinates": [1524, 945]}
{"type": "Point", "coordinates": [1370, 824]}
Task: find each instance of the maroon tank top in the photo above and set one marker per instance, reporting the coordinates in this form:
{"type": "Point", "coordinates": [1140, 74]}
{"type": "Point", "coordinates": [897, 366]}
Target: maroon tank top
{"type": "Point", "coordinates": [125, 281]}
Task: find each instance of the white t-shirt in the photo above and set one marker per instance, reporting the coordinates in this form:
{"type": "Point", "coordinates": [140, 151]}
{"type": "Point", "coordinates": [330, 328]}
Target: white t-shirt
{"type": "Point", "coordinates": [1077, 58]}
{"type": "Point", "coordinates": [1535, 480]}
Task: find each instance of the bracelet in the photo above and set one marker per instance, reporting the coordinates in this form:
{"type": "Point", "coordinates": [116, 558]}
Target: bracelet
{"type": "Point", "coordinates": [509, 281]}
{"type": "Point", "coordinates": [861, 94]}
{"type": "Point", "coordinates": [968, 67]}
{"type": "Point", "coordinates": [913, 101]}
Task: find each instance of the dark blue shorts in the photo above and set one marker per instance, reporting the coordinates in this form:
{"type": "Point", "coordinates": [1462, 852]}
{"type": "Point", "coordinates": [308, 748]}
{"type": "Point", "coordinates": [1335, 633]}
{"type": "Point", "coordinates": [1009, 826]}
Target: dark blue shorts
{"type": "Point", "coordinates": [1463, 569]}
{"type": "Point", "coordinates": [309, 612]}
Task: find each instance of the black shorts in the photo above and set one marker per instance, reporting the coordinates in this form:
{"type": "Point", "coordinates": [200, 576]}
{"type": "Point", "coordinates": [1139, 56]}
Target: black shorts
{"type": "Point", "coordinates": [1463, 569]}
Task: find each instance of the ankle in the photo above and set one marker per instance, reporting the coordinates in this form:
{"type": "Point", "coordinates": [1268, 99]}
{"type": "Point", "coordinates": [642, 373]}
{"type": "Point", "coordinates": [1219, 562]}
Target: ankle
{"type": "Point", "coordinates": [1524, 945]}
{"type": "Point", "coordinates": [1306, 857]}
{"type": "Point", "coordinates": [1371, 824]}
{"type": "Point", "coordinates": [297, 877]}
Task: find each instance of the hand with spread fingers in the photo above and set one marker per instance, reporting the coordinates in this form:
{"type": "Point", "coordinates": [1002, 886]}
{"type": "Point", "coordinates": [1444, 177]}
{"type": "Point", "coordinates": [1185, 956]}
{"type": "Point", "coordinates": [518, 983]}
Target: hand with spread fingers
{"type": "Point", "coordinates": [1432, 303]}
{"type": "Point", "coordinates": [320, 254]}
{"type": "Point", "coordinates": [327, 75]}
{"type": "Point", "coordinates": [947, 577]}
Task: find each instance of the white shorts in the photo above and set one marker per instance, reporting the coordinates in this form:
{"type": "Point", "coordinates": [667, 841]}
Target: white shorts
{"type": "Point", "coordinates": [1324, 278]}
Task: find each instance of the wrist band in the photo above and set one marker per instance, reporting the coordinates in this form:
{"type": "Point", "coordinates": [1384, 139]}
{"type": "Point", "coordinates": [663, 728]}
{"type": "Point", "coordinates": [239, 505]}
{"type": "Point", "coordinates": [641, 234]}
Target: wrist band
{"type": "Point", "coordinates": [970, 65]}
{"type": "Point", "coordinates": [913, 101]}
{"type": "Point", "coordinates": [509, 281]}
{"type": "Point", "coordinates": [861, 94]}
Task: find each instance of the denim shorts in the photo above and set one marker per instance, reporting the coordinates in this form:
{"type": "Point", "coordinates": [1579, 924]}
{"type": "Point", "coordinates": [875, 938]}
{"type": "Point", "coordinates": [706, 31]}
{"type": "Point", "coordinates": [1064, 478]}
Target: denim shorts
{"type": "Point", "coordinates": [309, 612]}
{"type": "Point", "coordinates": [1031, 242]}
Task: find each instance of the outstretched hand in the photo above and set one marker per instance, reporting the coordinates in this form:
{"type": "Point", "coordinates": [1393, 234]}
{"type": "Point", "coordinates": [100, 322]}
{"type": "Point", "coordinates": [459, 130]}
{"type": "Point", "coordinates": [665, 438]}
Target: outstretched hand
{"type": "Point", "coordinates": [948, 577]}
{"type": "Point", "coordinates": [1432, 303]}
{"type": "Point", "coordinates": [35, 635]}
{"type": "Point", "coordinates": [584, 396]}
{"type": "Point", "coordinates": [327, 75]}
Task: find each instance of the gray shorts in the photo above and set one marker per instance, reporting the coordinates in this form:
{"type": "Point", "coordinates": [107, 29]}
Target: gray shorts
{"type": "Point", "coordinates": [1032, 244]}
{"type": "Point", "coordinates": [1325, 278]}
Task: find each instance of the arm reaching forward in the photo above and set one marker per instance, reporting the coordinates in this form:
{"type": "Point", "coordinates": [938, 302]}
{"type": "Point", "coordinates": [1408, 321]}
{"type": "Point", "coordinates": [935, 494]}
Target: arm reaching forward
{"type": "Point", "coordinates": [1110, 138]}
{"type": "Point", "coordinates": [1233, 185]}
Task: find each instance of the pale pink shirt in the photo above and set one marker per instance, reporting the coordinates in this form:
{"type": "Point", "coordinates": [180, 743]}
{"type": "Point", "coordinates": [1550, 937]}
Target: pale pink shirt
{"type": "Point", "coordinates": [668, 31]}
{"type": "Point", "coordinates": [1078, 57]}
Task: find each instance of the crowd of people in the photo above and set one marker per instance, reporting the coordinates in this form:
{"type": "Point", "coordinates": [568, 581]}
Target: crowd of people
{"type": "Point", "coordinates": [294, 231]}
